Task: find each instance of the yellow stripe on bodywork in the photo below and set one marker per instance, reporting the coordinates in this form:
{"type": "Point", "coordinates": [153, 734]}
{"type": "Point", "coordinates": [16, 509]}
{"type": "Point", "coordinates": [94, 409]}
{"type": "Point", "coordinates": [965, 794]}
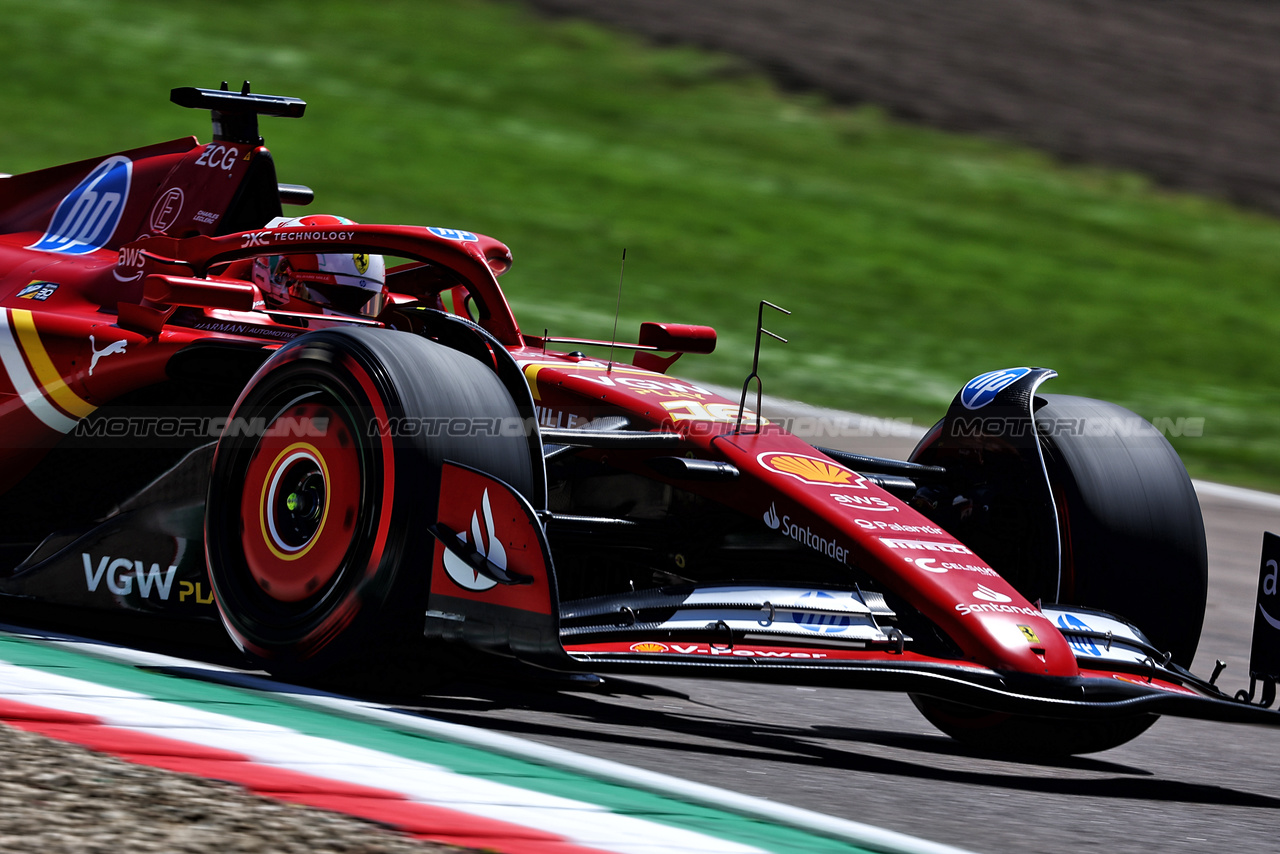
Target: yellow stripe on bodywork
{"type": "Point", "coordinates": [531, 370]}
{"type": "Point", "coordinates": [46, 374]}
{"type": "Point", "coordinates": [531, 377]}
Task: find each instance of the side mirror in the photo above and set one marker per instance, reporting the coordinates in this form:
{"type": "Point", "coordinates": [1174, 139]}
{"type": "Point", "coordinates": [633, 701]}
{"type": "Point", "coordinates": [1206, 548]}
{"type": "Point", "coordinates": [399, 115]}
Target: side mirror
{"type": "Point", "coordinates": [677, 337]}
{"type": "Point", "coordinates": [673, 338]}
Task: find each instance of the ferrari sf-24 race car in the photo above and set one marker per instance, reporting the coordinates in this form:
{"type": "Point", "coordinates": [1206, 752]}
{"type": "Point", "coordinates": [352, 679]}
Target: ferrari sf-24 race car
{"type": "Point", "coordinates": [212, 414]}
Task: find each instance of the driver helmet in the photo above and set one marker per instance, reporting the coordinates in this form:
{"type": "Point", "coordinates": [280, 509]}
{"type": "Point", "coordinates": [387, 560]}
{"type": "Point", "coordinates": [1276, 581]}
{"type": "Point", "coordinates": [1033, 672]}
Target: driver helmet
{"type": "Point", "coordinates": [343, 282]}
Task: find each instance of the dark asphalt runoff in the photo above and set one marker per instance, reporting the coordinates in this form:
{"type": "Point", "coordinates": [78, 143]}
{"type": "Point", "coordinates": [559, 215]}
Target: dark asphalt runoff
{"type": "Point", "coordinates": [1182, 786]}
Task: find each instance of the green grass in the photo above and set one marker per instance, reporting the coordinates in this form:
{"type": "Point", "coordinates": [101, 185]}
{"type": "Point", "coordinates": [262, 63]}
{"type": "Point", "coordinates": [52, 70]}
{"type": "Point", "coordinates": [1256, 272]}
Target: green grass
{"type": "Point", "coordinates": [912, 259]}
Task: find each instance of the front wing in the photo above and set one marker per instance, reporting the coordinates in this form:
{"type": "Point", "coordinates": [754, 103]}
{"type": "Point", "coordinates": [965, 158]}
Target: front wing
{"type": "Point", "coordinates": [499, 593]}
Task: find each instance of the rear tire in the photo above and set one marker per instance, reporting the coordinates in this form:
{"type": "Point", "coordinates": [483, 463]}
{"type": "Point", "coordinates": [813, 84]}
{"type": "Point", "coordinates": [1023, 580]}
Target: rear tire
{"type": "Point", "coordinates": [315, 527]}
{"type": "Point", "coordinates": [1133, 545]}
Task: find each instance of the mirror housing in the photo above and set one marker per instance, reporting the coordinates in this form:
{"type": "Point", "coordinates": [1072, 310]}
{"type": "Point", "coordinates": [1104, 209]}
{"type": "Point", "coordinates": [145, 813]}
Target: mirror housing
{"type": "Point", "coordinates": [673, 338]}
{"type": "Point", "coordinates": [677, 337]}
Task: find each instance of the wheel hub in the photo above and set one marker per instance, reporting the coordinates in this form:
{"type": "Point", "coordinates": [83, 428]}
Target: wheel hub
{"type": "Point", "coordinates": [300, 502]}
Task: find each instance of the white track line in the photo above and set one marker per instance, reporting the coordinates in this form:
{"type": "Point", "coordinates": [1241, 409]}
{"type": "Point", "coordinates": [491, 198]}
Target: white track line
{"type": "Point", "coordinates": [1266, 500]}
{"type": "Point", "coordinates": [855, 832]}
{"type": "Point", "coordinates": [582, 823]}
{"type": "Point", "coordinates": [849, 831]}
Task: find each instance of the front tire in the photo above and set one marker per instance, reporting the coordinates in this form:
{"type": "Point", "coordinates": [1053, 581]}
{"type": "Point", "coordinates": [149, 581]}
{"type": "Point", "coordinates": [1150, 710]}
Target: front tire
{"type": "Point", "coordinates": [1133, 544]}
{"type": "Point", "coordinates": [325, 481]}
{"type": "Point", "coordinates": [1131, 521]}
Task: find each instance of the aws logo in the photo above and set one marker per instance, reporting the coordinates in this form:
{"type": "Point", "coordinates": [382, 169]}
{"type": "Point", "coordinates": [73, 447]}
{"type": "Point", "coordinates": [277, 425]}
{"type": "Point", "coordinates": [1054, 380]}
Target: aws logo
{"type": "Point", "coordinates": [1270, 580]}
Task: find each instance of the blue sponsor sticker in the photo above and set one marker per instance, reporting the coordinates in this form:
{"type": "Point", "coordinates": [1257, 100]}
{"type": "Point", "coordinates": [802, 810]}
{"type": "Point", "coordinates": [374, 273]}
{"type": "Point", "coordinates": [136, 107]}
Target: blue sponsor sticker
{"type": "Point", "coordinates": [823, 624]}
{"type": "Point", "coordinates": [1083, 646]}
{"type": "Point", "coordinates": [982, 389]}
{"type": "Point", "coordinates": [40, 291]}
{"type": "Point", "coordinates": [452, 234]}
{"type": "Point", "coordinates": [86, 218]}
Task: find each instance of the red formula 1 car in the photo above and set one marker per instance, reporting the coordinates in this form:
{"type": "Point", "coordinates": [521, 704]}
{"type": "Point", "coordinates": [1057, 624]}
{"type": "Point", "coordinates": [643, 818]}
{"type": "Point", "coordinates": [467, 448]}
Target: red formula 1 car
{"type": "Point", "coordinates": [335, 440]}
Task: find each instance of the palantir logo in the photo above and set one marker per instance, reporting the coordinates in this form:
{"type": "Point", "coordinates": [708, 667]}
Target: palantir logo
{"type": "Point", "coordinates": [982, 389]}
{"type": "Point", "coordinates": [87, 217]}
{"type": "Point", "coordinates": [467, 576]}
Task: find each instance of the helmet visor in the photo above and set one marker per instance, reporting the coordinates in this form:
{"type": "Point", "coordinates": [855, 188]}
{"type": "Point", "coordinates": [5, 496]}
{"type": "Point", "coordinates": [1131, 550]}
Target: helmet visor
{"type": "Point", "coordinates": [348, 300]}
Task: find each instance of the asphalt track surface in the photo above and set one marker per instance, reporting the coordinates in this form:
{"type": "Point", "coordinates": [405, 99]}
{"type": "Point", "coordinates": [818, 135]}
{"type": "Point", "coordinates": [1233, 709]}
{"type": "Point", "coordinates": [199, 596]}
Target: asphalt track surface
{"type": "Point", "coordinates": [870, 757]}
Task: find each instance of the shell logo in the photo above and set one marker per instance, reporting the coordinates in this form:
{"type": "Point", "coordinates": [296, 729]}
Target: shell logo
{"type": "Point", "coordinates": [649, 646]}
{"type": "Point", "coordinates": [812, 470]}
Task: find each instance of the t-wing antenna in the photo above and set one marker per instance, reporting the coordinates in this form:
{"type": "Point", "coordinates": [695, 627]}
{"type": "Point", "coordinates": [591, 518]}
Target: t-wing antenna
{"type": "Point", "coordinates": [617, 308]}
{"type": "Point", "coordinates": [235, 114]}
{"type": "Point", "coordinates": [755, 367]}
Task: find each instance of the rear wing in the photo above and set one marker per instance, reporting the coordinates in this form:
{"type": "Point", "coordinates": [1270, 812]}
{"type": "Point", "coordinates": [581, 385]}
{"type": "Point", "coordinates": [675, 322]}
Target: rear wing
{"type": "Point", "coordinates": [235, 114]}
{"type": "Point", "coordinates": [178, 188]}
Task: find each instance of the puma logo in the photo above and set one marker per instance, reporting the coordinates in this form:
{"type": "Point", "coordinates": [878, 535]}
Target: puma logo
{"type": "Point", "coordinates": [113, 347]}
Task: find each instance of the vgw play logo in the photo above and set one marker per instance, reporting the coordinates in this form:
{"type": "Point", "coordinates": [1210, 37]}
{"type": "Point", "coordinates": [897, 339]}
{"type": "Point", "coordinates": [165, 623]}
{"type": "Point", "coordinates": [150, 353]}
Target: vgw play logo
{"type": "Point", "coordinates": [87, 217]}
{"type": "Point", "coordinates": [122, 574]}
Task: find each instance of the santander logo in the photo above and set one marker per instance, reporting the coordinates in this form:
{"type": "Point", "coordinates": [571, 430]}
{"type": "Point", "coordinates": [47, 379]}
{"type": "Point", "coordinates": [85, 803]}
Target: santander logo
{"type": "Point", "coordinates": [986, 594]}
{"type": "Point", "coordinates": [771, 517]}
{"type": "Point", "coordinates": [466, 576]}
